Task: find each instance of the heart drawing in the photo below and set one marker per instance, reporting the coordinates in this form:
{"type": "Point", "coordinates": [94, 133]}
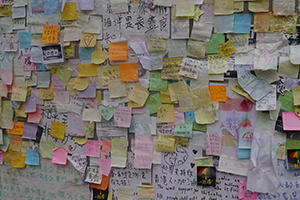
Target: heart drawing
{"type": "Point", "coordinates": [88, 39]}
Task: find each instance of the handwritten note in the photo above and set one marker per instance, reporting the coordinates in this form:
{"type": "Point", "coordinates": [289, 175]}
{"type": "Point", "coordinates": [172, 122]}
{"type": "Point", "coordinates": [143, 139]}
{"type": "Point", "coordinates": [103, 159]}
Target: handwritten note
{"type": "Point", "coordinates": [50, 34]}
{"type": "Point", "coordinates": [19, 93]}
{"type": "Point", "coordinates": [118, 51]}
{"type": "Point", "coordinates": [165, 114]}
{"type": "Point", "coordinates": [165, 144]}
{"type": "Point", "coordinates": [156, 44]}
{"type": "Point", "coordinates": [218, 93]}
{"type": "Point", "coordinates": [119, 152]}
{"type": "Point", "coordinates": [213, 144]}
{"type": "Point", "coordinates": [92, 148]}
{"type": "Point", "coordinates": [122, 116]}
{"type": "Point", "coordinates": [143, 152]}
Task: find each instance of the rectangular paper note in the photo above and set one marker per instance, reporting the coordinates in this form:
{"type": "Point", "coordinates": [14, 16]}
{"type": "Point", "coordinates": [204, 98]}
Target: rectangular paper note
{"type": "Point", "coordinates": [213, 144]}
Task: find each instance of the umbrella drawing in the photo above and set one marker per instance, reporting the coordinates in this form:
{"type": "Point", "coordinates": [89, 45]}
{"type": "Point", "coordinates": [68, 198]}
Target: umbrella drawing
{"type": "Point", "coordinates": [295, 154]}
{"type": "Point", "coordinates": [248, 136]}
{"type": "Point", "coordinates": [206, 171]}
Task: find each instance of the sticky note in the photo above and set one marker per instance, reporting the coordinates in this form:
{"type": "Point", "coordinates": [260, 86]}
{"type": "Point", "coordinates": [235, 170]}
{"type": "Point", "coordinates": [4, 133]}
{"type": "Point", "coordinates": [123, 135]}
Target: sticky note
{"type": "Point", "coordinates": [98, 56]}
{"type": "Point", "coordinates": [15, 143]}
{"type": "Point", "coordinates": [218, 93]}
{"type": "Point", "coordinates": [156, 83]}
{"type": "Point", "coordinates": [47, 93]}
{"type": "Point", "coordinates": [117, 51]}
{"type": "Point", "coordinates": [119, 152]}
{"type": "Point", "coordinates": [122, 116]}
{"type": "Point", "coordinates": [165, 144]}
{"type": "Point", "coordinates": [70, 11]}
{"type": "Point", "coordinates": [296, 95]}
{"type": "Point", "coordinates": [46, 149]}
{"type": "Point", "coordinates": [32, 157]}
{"type": "Point", "coordinates": [92, 148]}
{"type": "Point", "coordinates": [107, 112]}
{"type": "Point", "coordinates": [29, 131]}
{"type": "Point", "coordinates": [291, 122]}
{"type": "Point", "coordinates": [213, 45]}
{"type": "Point", "coordinates": [139, 94]}
{"type": "Point", "coordinates": [156, 44]}
{"type": "Point", "coordinates": [154, 103]}
{"type": "Point", "coordinates": [92, 115]}
{"type": "Point", "coordinates": [145, 192]}
{"type": "Point", "coordinates": [17, 129]}
{"type": "Point", "coordinates": [86, 70]}
{"type": "Point", "coordinates": [106, 147]}
{"type": "Point", "coordinates": [18, 160]}
{"type": "Point", "coordinates": [50, 34]}
{"type": "Point", "coordinates": [88, 40]}
{"type": "Point", "coordinates": [19, 93]}
{"type": "Point", "coordinates": [104, 165]}
{"type": "Point", "coordinates": [165, 114]}
{"type": "Point", "coordinates": [57, 130]}
{"type": "Point", "coordinates": [129, 72]}
{"type": "Point", "coordinates": [59, 156]}
{"type": "Point", "coordinates": [184, 130]}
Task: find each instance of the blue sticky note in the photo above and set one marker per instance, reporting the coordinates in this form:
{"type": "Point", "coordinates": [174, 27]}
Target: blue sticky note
{"type": "Point", "coordinates": [224, 24]}
{"type": "Point", "coordinates": [242, 153]}
{"type": "Point", "coordinates": [242, 23]}
{"type": "Point", "coordinates": [41, 67]}
{"type": "Point", "coordinates": [25, 40]}
{"type": "Point", "coordinates": [191, 115]}
{"type": "Point", "coordinates": [32, 157]}
{"type": "Point", "coordinates": [51, 7]}
{"type": "Point", "coordinates": [85, 53]}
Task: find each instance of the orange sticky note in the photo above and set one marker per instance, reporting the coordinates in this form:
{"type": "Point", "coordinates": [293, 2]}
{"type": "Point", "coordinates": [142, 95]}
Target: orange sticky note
{"type": "Point", "coordinates": [17, 129]}
{"type": "Point", "coordinates": [218, 93]}
{"type": "Point", "coordinates": [15, 143]}
{"type": "Point", "coordinates": [118, 51]}
{"type": "Point", "coordinates": [129, 72]}
{"type": "Point", "coordinates": [49, 34]}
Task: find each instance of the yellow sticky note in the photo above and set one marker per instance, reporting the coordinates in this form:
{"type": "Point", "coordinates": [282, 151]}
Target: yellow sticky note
{"type": "Point", "coordinates": [47, 93]}
{"type": "Point", "coordinates": [99, 97]}
{"type": "Point", "coordinates": [88, 40]}
{"type": "Point", "coordinates": [204, 161]}
{"type": "Point", "coordinates": [63, 72]}
{"type": "Point", "coordinates": [50, 34]}
{"type": "Point", "coordinates": [18, 160]}
{"type": "Point", "coordinates": [80, 141]}
{"type": "Point", "coordinates": [238, 7]}
{"type": "Point", "coordinates": [224, 7]}
{"type": "Point", "coordinates": [138, 94]}
{"type": "Point", "coordinates": [165, 144]}
{"type": "Point", "coordinates": [15, 143]}
{"type": "Point", "coordinates": [5, 11]}
{"type": "Point", "coordinates": [134, 105]}
{"type": "Point", "coordinates": [177, 88]}
{"type": "Point", "coordinates": [57, 130]}
{"type": "Point", "coordinates": [165, 114]}
{"type": "Point", "coordinates": [297, 110]}
{"type": "Point", "coordinates": [71, 87]}
{"type": "Point", "coordinates": [21, 111]}
{"type": "Point", "coordinates": [81, 83]}
{"type": "Point", "coordinates": [86, 70]}
{"type": "Point", "coordinates": [216, 64]}
{"type": "Point", "coordinates": [17, 129]}
{"type": "Point", "coordinates": [110, 195]}
{"type": "Point", "coordinates": [70, 11]}
{"type": "Point", "coordinates": [296, 95]}
{"type": "Point", "coordinates": [89, 128]}
{"type": "Point", "coordinates": [156, 44]}
{"type": "Point", "coordinates": [109, 73]}
{"type": "Point", "coordinates": [165, 97]}
{"type": "Point", "coordinates": [98, 56]}
{"type": "Point", "coordinates": [19, 93]}
{"type": "Point", "coordinates": [171, 68]}
{"type": "Point", "coordinates": [69, 51]}
{"type": "Point", "coordinates": [46, 149]}
{"type": "Point", "coordinates": [239, 90]}
{"type": "Point", "coordinates": [204, 114]}
{"type": "Point", "coordinates": [226, 50]}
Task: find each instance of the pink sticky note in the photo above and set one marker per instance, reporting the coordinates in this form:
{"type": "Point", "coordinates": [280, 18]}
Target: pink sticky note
{"type": "Point", "coordinates": [143, 152]}
{"type": "Point", "coordinates": [30, 104]}
{"type": "Point", "coordinates": [213, 144]}
{"type": "Point", "coordinates": [35, 117]}
{"type": "Point", "coordinates": [122, 116]}
{"type": "Point", "coordinates": [106, 147]}
{"type": "Point", "coordinates": [104, 165]}
{"type": "Point", "coordinates": [6, 76]}
{"type": "Point", "coordinates": [92, 148]}
{"type": "Point", "coordinates": [178, 117]}
{"type": "Point", "coordinates": [61, 97]}
{"type": "Point", "coordinates": [1, 157]}
{"type": "Point", "coordinates": [58, 85]}
{"type": "Point", "coordinates": [59, 156]}
{"type": "Point", "coordinates": [27, 64]}
{"type": "Point", "coordinates": [291, 122]}
{"type": "Point", "coordinates": [245, 194]}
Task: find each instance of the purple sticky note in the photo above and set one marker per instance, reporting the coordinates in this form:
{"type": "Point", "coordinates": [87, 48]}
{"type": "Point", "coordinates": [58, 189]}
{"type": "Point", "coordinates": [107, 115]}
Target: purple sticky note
{"type": "Point", "coordinates": [30, 104]}
{"type": "Point", "coordinates": [29, 131]}
{"type": "Point", "coordinates": [89, 92]}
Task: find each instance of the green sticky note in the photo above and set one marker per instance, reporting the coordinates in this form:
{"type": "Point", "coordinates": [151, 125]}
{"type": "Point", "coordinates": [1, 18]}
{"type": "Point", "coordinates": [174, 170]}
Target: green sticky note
{"type": "Point", "coordinates": [154, 103]}
{"type": "Point", "coordinates": [287, 102]}
{"type": "Point", "coordinates": [6, 142]}
{"type": "Point", "coordinates": [199, 127]}
{"type": "Point", "coordinates": [156, 83]}
{"type": "Point", "coordinates": [213, 45]}
{"type": "Point", "coordinates": [107, 112]}
{"type": "Point", "coordinates": [292, 144]}
{"type": "Point", "coordinates": [184, 130]}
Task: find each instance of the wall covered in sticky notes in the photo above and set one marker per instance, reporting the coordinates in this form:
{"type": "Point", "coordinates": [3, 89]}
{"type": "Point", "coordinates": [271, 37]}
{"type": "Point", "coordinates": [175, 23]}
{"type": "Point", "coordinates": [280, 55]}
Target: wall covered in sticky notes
{"type": "Point", "coordinates": [144, 99]}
